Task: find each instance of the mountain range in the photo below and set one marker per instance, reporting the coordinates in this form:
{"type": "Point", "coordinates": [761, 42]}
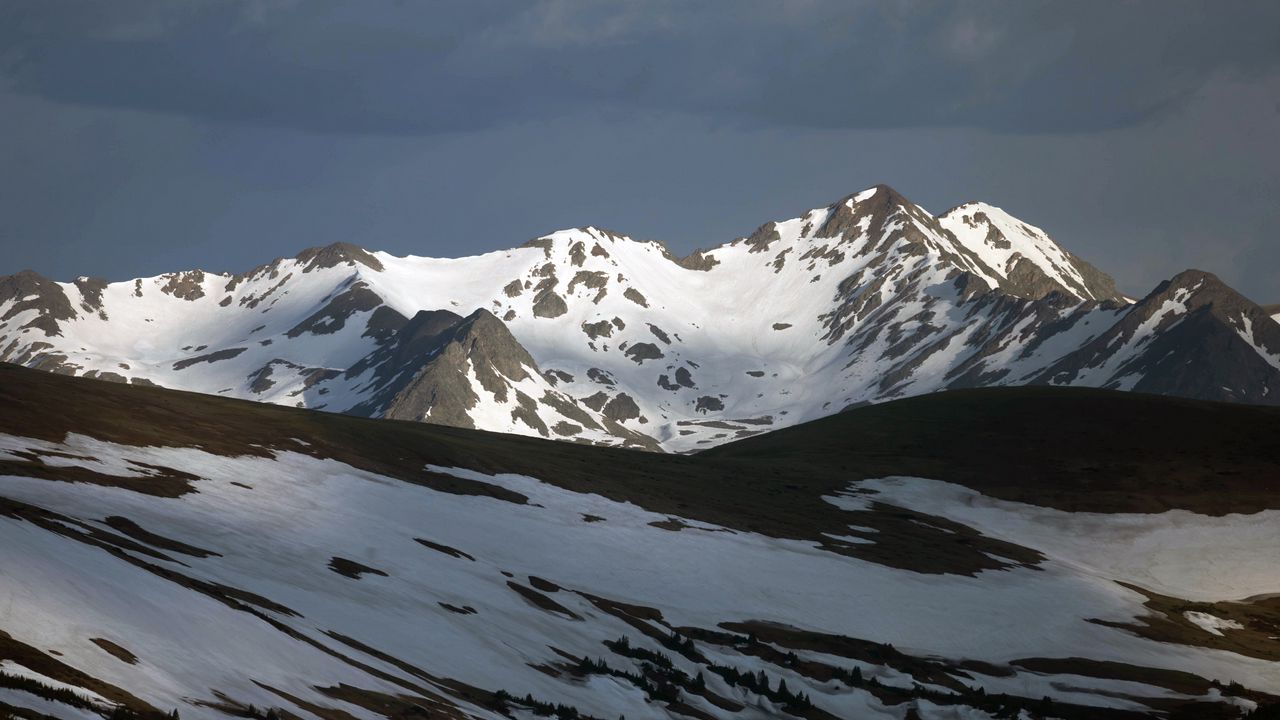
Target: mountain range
{"type": "Point", "coordinates": [591, 336]}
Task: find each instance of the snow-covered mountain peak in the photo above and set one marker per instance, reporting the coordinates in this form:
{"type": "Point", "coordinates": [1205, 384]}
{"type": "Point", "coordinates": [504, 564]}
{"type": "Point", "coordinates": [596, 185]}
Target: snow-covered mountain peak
{"type": "Point", "coordinates": [1028, 261]}
{"type": "Point", "coordinates": [586, 333]}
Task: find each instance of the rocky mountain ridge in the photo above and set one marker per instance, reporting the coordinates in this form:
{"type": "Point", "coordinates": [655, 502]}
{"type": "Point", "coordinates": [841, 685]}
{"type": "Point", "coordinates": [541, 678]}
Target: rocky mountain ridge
{"type": "Point", "coordinates": [591, 336]}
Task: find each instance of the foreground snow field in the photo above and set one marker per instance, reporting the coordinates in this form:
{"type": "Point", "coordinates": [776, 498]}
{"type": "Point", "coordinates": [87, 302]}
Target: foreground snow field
{"type": "Point", "coordinates": [163, 575]}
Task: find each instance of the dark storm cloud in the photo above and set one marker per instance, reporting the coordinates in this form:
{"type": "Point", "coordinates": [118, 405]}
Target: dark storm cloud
{"type": "Point", "coordinates": [144, 136]}
{"type": "Point", "coordinates": [405, 68]}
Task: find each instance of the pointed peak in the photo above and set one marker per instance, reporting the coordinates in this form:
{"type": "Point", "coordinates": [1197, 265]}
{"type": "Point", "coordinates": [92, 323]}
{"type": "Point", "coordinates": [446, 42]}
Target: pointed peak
{"type": "Point", "coordinates": [874, 205]}
{"type": "Point", "coordinates": [336, 254]}
{"type": "Point", "coordinates": [1195, 276]}
{"type": "Point", "coordinates": [27, 276]}
{"type": "Point", "coordinates": [482, 317]}
{"type": "Point", "coordinates": [25, 282]}
{"type": "Point", "coordinates": [484, 325]}
{"type": "Point", "coordinates": [430, 322]}
{"type": "Point", "coordinates": [970, 206]}
{"type": "Point", "coordinates": [879, 194]}
{"type": "Point", "coordinates": [1196, 288]}
{"type": "Point", "coordinates": [29, 290]}
{"type": "Point", "coordinates": [1189, 280]}
{"type": "Point", "coordinates": [603, 232]}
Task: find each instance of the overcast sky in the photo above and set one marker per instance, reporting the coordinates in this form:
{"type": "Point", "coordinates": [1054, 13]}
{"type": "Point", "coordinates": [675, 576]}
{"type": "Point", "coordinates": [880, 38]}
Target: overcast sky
{"type": "Point", "coordinates": [143, 136]}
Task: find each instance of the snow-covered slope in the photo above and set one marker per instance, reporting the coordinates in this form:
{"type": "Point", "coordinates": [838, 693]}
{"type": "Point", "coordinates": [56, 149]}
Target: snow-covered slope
{"type": "Point", "coordinates": [1028, 262]}
{"type": "Point", "coordinates": [164, 575]}
{"type": "Point", "coordinates": [605, 339]}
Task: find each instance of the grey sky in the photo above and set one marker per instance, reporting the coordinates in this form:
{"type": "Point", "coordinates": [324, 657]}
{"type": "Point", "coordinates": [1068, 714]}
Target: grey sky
{"type": "Point", "coordinates": [141, 136]}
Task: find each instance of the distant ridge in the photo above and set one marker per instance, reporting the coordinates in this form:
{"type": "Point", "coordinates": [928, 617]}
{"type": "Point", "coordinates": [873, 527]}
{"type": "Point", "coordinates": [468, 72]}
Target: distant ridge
{"type": "Point", "coordinates": [589, 336]}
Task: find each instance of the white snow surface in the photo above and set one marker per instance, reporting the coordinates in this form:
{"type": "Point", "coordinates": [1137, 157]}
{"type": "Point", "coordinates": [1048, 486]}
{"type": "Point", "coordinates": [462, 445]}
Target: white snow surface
{"type": "Point", "coordinates": [277, 537]}
{"type": "Point", "coordinates": [1001, 240]}
{"type": "Point", "coordinates": [1212, 624]}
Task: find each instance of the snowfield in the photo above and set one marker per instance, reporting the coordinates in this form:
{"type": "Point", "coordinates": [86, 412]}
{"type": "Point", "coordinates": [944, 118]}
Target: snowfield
{"type": "Point", "coordinates": [1177, 552]}
{"type": "Point", "coordinates": [282, 579]}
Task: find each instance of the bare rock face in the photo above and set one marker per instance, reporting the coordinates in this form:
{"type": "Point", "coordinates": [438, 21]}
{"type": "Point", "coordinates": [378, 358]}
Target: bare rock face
{"type": "Point", "coordinates": [438, 364]}
{"type": "Point", "coordinates": [601, 376]}
{"type": "Point", "coordinates": [212, 357]}
{"type": "Point", "coordinates": [622, 408]}
{"type": "Point", "coordinates": [1099, 283]}
{"type": "Point", "coordinates": [698, 260]}
{"type": "Point", "coordinates": [549, 305]}
{"type": "Point", "coordinates": [1027, 280]}
{"type": "Point", "coordinates": [333, 316]}
{"type": "Point", "coordinates": [684, 378]}
{"type": "Point", "coordinates": [28, 290]}
{"type": "Point", "coordinates": [438, 390]}
{"type": "Point", "coordinates": [636, 297]}
{"type": "Point", "coordinates": [593, 279]}
{"type": "Point", "coordinates": [91, 295]}
{"type": "Point", "coordinates": [850, 215]}
{"type": "Point", "coordinates": [708, 403]}
{"type": "Point", "coordinates": [639, 352]}
{"type": "Point", "coordinates": [596, 401]}
{"type": "Point", "coordinates": [337, 254]}
{"type": "Point", "coordinates": [184, 285]}
{"type": "Point", "coordinates": [763, 237]}
{"type": "Point", "coordinates": [599, 329]}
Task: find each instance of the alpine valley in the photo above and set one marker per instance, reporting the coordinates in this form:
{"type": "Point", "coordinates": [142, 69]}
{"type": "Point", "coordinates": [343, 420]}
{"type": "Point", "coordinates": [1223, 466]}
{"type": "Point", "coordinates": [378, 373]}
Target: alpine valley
{"type": "Point", "coordinates": [865, 463]}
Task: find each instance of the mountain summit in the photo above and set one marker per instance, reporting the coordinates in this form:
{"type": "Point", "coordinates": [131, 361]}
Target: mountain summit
{"type": "Point", "coordinates": [588, 335]}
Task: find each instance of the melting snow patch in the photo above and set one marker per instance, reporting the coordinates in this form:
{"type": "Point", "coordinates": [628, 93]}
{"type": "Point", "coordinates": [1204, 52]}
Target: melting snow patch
{"type": "Point", "coordinates": [1211, 624]}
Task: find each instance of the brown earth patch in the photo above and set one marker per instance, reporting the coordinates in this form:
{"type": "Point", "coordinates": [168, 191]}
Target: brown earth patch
{"type": "Point", "coordinates": [351, 568]}
{"type": "Point", "coordinates": [636, 297]}
{"type": "Point", "coordinates": [209, 358]}
{"type": "Point", "coordinates": [541, 601]}
{"type": "Point", "coordinates": [1257, 638]}
{"type": "Point", "coordinates": [115, 650]}
{"type": "Point", "coordinates": [440, 547]}
{"type": "Point", "coordinates": [130, 528]}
